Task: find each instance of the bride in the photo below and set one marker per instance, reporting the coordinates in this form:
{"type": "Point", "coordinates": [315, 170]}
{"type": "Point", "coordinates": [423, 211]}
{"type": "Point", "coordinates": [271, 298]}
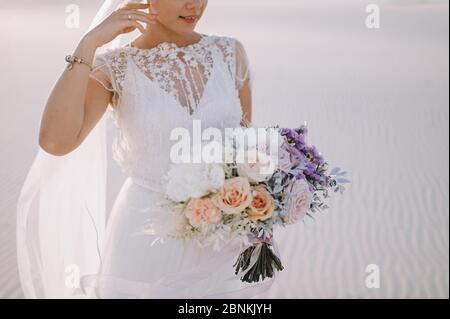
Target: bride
{"type": "Point", "coordinates": [165, 78]}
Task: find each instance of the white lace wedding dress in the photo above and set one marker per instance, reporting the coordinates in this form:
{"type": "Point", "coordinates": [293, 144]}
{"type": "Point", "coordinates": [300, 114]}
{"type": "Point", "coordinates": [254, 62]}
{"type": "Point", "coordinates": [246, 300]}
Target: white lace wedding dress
{"type": "Point", "coordinates": [156, 90]}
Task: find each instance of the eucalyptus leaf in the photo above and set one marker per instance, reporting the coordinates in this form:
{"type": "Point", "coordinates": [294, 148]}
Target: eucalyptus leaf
{"type": "Point", "coordinates": [335, 170]}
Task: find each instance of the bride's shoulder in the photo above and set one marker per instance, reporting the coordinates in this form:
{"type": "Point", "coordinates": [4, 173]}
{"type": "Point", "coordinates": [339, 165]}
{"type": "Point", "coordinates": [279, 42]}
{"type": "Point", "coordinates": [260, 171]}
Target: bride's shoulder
{"type": "Point", "coordinates": [111, 62]}
{"type": "Point", "coordinates": [112, 54]}
{"type": "Point", "coordinates": [114, 60]}
{"type": "Point", "coordinates": [231, 46]}
{"type": "Point", "coordinates": [226, 40]}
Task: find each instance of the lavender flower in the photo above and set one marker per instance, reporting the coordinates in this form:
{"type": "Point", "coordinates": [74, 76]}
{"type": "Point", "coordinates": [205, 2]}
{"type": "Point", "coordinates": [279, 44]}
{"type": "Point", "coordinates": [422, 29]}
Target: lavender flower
{"type": "Point", "coordinates": [302, 130]}
{"type": "Point", "coordinates": [293, 138]}
{"type": "Point", "coordinates": [313, 155]}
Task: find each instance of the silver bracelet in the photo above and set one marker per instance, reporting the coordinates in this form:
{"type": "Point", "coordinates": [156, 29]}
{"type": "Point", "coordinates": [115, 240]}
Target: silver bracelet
{"type": "Point", "coordinates": [71, 59]}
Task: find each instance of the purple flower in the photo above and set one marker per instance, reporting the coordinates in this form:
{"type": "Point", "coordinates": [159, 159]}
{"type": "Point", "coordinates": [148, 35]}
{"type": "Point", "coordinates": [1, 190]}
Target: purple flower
{"type": "Point", "coordinates": [293, 138]}
{"type": "Point", "coordinates": [291, 154]}
{"type": "Point", "coordinates": [310, 168]}
{"type": "Point", "coordinates": [306, 160]}
{"type": "Point", "coordinates": [313, 155]}
{"type": "Point", "coordinates": [302, 130]}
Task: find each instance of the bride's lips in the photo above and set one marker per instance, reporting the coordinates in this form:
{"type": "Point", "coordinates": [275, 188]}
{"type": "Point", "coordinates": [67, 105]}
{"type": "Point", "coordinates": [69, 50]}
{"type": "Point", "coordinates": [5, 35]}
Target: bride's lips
{"type": "Point", "coordinates": [189, 19]}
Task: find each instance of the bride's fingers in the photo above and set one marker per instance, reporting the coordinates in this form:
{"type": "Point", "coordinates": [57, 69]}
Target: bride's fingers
{"type": "Point", "coordinates": [134, 25]}
{"type": "Point", "coordinates": [139, 18]}
{"type": "Point", "coordinates": [140, 13]}
{"type": "Point", "coordinates": [136, 15]}
{"type": "Point", "coordinates": [131, 5]}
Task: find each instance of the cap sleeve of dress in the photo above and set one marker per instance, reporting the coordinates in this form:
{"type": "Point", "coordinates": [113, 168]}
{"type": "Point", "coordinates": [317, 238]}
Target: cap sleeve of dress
{"type": "Point", "coordinates": [243, 73]}
{"type": "Point", "coordinates": [103, 72]}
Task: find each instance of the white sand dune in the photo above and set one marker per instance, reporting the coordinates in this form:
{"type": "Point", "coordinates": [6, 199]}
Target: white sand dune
{"type": "Point", "coordinates": [376, 103]}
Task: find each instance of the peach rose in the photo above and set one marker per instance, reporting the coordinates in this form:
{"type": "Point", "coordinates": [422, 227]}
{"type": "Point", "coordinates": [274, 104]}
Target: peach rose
{"type": "Point", "coordinates": [202, 211]}
{"type": "Point", "coordinates": [234, 196]}
{"type": "Point", "coordinates": [299, 203]}
{"type": "Point", "coordinates": [262, 205]}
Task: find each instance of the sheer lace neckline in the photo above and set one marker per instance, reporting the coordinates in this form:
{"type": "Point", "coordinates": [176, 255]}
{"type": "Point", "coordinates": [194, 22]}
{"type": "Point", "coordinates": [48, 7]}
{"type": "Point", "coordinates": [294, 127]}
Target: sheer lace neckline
{"type": "Point", "coordinates": [182, 72]}
{"type": "Point", "coordinates": [171, 46]}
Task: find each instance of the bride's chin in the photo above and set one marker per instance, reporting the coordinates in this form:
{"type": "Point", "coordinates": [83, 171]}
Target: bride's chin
{"type": "Point", "coordinates": [184, 32]}
{"type": "Point", "coordinates": [180, 29]}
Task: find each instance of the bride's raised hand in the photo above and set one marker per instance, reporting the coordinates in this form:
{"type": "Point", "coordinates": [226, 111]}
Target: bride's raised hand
{"type": "Point", "coordinates": [123, 20]}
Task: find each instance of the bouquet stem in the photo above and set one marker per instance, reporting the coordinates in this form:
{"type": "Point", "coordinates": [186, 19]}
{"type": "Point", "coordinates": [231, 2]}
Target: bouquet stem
{"type": "Point", "coordinates": [264, 266]}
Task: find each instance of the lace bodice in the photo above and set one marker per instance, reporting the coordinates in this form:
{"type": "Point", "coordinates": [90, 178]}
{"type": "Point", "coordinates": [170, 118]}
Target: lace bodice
{"type": "Point", "coordinates": [156, 90]}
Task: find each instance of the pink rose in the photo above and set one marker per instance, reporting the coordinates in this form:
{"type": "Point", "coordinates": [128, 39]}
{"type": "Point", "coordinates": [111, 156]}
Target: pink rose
{"type": "Point", "coordinates": [284, 160]}
{"type": "Point", "coordinates": [202, 211]}
{"type": "Point", "coordinates": [234, 196]}
{"type": "Point", "coordinates": [262, 205]}
{"type": "Point", "coordinates": [299, 202]}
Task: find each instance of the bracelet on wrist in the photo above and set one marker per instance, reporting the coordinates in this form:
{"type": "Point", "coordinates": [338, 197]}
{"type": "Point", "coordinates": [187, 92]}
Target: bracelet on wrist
{"type": "Point", "coordinates": [71, 59]}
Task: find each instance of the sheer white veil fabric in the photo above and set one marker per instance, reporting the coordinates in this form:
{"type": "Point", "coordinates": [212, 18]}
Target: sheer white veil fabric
{"type": "Point", "coordinates": [61, 210]}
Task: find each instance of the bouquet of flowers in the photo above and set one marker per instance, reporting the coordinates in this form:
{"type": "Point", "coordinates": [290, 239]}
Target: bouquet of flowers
{"type": "Point", "coordinates": [214, 203]}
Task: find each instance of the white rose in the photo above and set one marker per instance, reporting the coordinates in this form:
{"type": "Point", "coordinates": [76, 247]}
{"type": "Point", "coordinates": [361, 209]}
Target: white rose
{"type": "Point", "coordinates": [257, 166]}
{"type": "Point", "coordinates": [185, 181]}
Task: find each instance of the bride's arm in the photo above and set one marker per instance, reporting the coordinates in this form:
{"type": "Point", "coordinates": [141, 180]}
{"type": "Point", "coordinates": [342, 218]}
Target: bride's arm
{"type": "Point", "coordinates": [245, 95]}
{"type": "Point", "coordinates": [244, 83]}
{"type": "Point", "coordinates": [77, 102]}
